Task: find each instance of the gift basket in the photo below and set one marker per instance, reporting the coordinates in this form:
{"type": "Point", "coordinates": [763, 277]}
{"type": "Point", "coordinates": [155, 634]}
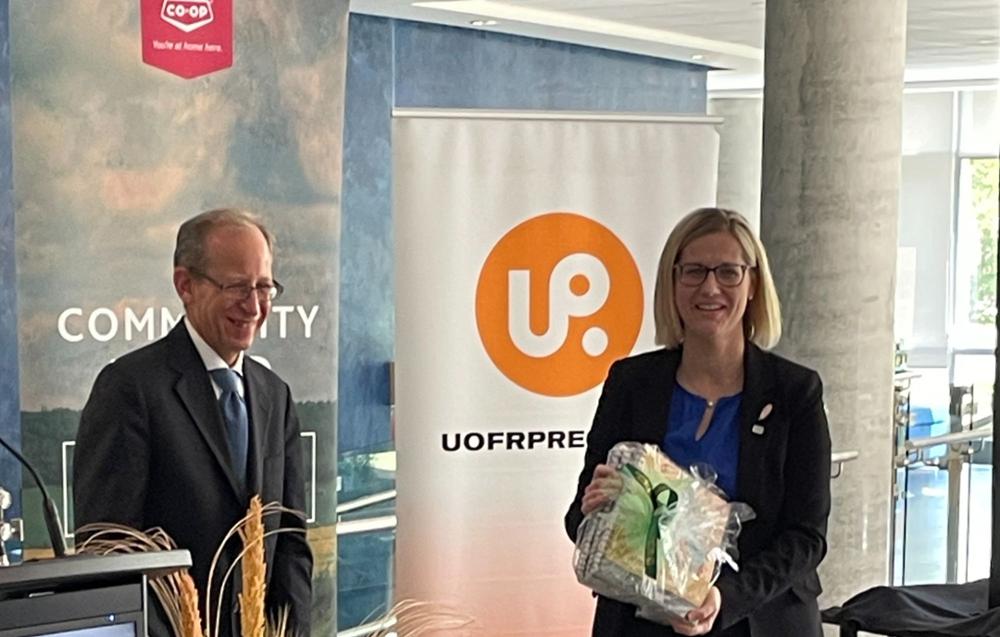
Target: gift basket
{"type": "Point", "coordinates": [660, 544]}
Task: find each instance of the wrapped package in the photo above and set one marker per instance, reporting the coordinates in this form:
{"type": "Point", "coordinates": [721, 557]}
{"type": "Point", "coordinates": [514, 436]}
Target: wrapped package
{"type": "Point", "coordinates": [660, 544]}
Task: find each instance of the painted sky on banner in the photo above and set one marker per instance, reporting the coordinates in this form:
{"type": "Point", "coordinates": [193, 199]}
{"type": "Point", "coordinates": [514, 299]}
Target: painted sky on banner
{"type": "Point", "coordinates": [112, 154]}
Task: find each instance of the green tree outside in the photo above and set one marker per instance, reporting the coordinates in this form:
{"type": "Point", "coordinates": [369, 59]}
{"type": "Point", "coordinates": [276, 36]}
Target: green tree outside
{"type": "Point", "coordinates": [986, 208]}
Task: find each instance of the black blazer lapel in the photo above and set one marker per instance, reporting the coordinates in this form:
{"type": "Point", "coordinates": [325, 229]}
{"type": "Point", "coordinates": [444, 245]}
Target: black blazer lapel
{"type": "Point", "coordinates": [652, 401]}
{"type": "Point", "coordinates": [194, 387]}
{"type": "Point", "coordinates": [259, 401]}
{"type": "Point", "coordinates": [757, 394]}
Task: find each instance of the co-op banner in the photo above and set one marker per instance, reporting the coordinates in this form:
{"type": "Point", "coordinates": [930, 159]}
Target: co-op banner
{"type": "Point", "coordinates": [114, 148]}
{"type": "Point", "coordinates": [188, 38]}
{"type": "Point", "coordinates": [526, 251]}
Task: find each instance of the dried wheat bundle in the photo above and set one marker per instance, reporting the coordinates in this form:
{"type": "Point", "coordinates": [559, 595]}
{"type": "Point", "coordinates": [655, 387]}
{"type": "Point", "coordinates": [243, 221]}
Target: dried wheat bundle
{"type": "Point", "coordinates": [176, 591]}
{"type": "Point", "coordinates": [278, 624]}
{"type": "Point", "coordinates": [190, 615]}
{"type": "Point", "coordinates": [252, 596]}
{"type": "Point", "coordinates": [250, 529]}
{"type": "Point", "coordinates": [412, 618]}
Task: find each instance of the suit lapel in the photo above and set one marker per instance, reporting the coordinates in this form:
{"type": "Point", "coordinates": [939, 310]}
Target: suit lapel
{"type": "Point", "coordinates": [757, 394]}
{"type": "Point", "coordinates": [651, 407]}
{"type": "Point", "coordinates": [259, 402]}
{"type": "Point", "coordinates": [194, 388]}
{"type": "Point", "coordinates": [652, 404]}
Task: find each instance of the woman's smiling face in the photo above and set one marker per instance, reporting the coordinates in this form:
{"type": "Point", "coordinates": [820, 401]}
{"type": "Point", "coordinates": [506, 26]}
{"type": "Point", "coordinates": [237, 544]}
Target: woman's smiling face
{"type": "Point", "coordinates": [711, 310]}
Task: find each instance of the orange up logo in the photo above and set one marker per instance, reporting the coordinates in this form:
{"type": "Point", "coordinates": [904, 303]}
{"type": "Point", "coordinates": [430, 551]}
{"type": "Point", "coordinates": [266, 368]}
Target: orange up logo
{"type": "Point", "coordinates": [559, 299]}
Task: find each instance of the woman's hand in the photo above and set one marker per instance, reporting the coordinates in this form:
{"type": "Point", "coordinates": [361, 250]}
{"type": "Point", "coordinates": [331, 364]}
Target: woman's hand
{"type": "Point", "coordinates": [603, 488]}
{"type": "Point", "coordinates": [700, 620]}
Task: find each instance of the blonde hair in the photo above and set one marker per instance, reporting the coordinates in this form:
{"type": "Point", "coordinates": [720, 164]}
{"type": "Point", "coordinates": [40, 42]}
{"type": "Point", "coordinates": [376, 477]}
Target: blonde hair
{"type": "Point", "coordinates": [762, 319]}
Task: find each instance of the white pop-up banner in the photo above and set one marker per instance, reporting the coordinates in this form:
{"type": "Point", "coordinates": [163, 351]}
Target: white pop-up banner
{"type": "Point", "coordinates": [526, 253]}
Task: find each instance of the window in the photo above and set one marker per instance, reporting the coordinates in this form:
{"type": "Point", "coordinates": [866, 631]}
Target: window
{"type": "Point", "coordinates": [948, 236]}
{"type": "Point", "coordinates": [976, 254]}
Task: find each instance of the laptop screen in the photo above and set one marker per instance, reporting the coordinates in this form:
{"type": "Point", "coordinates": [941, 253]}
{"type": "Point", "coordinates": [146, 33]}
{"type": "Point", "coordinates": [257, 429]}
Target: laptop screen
{"type": "Point", "coordinates": [116, 630]}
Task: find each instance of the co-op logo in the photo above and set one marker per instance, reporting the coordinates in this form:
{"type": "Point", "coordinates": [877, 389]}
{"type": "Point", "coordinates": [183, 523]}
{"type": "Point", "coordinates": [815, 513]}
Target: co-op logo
{"type": "Point", "coordinates": [187, 15]}
{"type": "Point", "coordinates": [559, 299]}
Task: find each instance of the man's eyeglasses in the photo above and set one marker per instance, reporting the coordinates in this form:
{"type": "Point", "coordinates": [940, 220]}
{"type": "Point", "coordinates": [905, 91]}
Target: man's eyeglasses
{"type": "Point", "coordinates": [266, 292]}
{"type": "Point", "coordinates": [727, 274]}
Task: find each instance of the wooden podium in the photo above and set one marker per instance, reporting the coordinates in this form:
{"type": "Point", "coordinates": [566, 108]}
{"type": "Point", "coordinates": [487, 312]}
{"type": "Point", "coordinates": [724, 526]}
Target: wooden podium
{"type": "Point", "coordinates": [99, 596]}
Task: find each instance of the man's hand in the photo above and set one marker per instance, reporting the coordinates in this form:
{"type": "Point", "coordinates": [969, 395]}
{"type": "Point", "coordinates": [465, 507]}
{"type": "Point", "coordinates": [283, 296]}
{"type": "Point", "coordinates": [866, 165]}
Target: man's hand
{"type": "Point", "coordinates": [700, 620]}
{"type": "Point", "coordinates": [604, 487]}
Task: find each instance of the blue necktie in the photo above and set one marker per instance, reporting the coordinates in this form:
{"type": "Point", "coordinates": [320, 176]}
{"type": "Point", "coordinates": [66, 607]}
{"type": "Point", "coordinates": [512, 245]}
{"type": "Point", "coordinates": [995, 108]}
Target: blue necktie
{"type": "Point", "coordinates": [234, 411]}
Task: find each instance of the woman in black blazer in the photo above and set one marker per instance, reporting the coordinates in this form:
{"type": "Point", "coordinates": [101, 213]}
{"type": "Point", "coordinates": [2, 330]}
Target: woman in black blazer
{"type": "Point", "coordinates": [716, 312]}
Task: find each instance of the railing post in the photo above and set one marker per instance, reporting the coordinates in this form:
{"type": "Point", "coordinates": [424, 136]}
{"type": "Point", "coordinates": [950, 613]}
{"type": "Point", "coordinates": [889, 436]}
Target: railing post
{"type": "Point", "coordinates": [954, 468]}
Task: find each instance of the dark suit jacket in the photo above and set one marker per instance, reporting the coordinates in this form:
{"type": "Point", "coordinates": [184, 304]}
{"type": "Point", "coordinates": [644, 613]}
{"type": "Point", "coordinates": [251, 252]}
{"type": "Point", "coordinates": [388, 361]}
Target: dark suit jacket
{"type": "Point", "coordinates": [151, 452]}
{"type": "Point", "coordinates": [784, 474]}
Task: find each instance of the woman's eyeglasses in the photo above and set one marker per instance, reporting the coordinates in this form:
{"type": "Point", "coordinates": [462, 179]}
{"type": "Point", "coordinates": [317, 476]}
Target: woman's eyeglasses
{"type": "Point", "coordinates": [727, 274]}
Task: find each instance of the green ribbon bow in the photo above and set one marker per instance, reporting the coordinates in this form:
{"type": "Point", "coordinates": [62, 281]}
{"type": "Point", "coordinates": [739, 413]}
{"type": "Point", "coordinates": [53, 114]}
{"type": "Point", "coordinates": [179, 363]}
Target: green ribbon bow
{"type": "Point", "coordinates": [653, 532]}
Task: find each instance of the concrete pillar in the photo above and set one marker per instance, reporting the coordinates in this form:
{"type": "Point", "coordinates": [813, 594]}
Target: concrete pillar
{"type": "Point", "coordinates": [833, 81]}
{"type": "Point", "coordinates": [739, 153]}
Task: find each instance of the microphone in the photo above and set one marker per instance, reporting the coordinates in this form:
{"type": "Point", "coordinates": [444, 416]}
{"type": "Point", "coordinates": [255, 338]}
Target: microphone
{"type": "Point", "coordinates": [49, 512]}
{"type": "Point", "coordinates": [5, 527]}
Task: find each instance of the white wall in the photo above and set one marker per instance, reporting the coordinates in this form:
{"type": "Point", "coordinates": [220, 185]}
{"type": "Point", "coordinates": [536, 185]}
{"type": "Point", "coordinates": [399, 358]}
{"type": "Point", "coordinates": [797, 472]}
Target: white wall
{"type": "Point", "coordinates": [925, 223]}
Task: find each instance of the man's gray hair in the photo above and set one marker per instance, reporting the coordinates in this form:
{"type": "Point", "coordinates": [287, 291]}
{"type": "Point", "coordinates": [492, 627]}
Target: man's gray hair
{"type": "Point", "coordinates": [190, 250]}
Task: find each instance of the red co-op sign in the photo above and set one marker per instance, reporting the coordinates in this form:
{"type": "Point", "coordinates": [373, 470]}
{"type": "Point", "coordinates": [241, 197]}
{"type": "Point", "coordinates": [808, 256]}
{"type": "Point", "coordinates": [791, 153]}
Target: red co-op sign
{"type": "Point", "coordinates": [189, 38]}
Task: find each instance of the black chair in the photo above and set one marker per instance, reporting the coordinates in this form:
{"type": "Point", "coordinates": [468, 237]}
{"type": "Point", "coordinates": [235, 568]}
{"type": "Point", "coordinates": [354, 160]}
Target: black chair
{"type": "Point", "coordinates": [933, 610]}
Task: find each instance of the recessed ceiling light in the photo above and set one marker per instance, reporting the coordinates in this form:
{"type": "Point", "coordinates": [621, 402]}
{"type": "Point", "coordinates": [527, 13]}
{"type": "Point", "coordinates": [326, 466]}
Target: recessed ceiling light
{"type": "Point", "coordinates": [483, 23]}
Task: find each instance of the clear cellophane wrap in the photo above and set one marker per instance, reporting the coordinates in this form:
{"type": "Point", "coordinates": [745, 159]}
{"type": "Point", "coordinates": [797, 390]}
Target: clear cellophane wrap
{"type": "Point", "coordinates": [661, 542]}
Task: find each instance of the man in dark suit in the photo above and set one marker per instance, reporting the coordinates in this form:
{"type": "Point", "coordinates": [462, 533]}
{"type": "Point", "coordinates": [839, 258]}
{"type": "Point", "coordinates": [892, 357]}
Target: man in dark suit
{"type": "Point", "coordinates": [181, 433]}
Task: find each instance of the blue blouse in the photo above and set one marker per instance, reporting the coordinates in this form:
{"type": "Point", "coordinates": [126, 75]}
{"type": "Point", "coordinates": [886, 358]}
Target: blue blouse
{"type": "Point", "coordinates": [719, 447]}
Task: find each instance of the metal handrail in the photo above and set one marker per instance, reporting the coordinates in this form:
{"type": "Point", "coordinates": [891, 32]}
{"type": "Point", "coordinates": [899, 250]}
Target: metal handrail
{"type": "Point", "coordinates": [971, 435]}
{"type": "Point", "coordinates": [364, 501]}
{"type": "Point", "coordinates": [366, 525]}
{"type": "Point", "coordinates": [367, 629]}
{"type": "Point", "coordinates": [961, 446]}
{"type": "Point", "coordinates": [838, 459]}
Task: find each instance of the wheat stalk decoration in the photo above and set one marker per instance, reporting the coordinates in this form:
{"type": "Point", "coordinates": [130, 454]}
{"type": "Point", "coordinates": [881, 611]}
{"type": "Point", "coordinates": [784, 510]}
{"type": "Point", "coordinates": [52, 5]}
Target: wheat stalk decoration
{"type": "Point", "coordinates": [176, 591]}
{"type": "Point", "coordinates": [279, 622]}
{"type": "Point", "coordinates": [412, 618]}
{"type": "Point", "coordinates": [190, 615]}
{"type": "Point", "coordinates": [179, 597]}
{"type": "Point", "coordinates": [254, 572]}
{"type": "Point", "coordinates": [252, 542]}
